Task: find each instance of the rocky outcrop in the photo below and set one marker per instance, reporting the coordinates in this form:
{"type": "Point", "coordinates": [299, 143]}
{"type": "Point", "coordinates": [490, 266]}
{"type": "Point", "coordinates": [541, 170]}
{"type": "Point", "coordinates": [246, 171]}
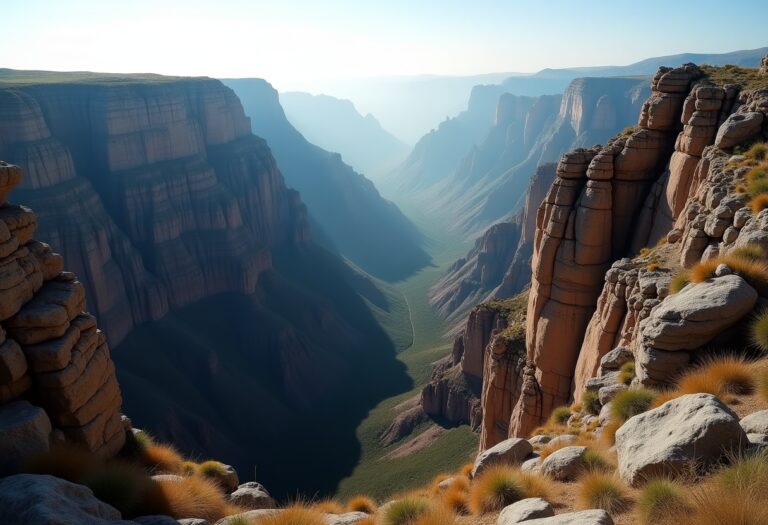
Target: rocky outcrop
{"type": "Point", "coordinates": [526, 509]}
{"type": "Point", "coordinates": [510, 451]}
{"type": "Point", "coordinates": [52, 352]}
{"type": "Point", "coordinates": [691, 431]}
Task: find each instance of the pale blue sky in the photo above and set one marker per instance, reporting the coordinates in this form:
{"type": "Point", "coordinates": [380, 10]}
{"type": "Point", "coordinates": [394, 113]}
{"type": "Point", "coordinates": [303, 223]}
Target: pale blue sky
{"type": "Point", "coordinates": [288, 40]}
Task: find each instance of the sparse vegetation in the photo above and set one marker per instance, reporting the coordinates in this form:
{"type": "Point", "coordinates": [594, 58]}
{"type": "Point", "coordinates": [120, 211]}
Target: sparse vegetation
{"type": "Point", "coordinates": [162, 458]}
{"type": "Point", "coordinates": [329, 506]}
{"type": "Point", "coordinates": [752, 271]}
{"type": "Point", "coordinates": [594, 461]}
{"type": "Point", "coordinates": [660, 502]}
{"type": "Point", "coordinates": [494, 489]}
{"type": "Point", "coordinates": [590, 402]}
{"type": "Point", "coordinates": [762, 385]}
{"type": "Point", "coordinates": [535, 485]}
{"type": "Point", "coordinates": [750, 251]}
{"type": "Point", "coordinates": [436, 516]}
{"type": "Point", "coordinates": [559, 416]}
{"type": "Point", "coordinates": [194, 496]}
{"type": "Point", "coordinates": [719, 376]}
{"type": "Point", "coordinates": [631, 403]}
{"type": "Point", "coordinates": [298, 514]}
{"type": "Point", "coordinates": [457, 500]}
{"type": "Point", "coordinates": [760, 202]}
{"type": "Point", "coordinates": [597, 490]}
{"type": "Point", "coordinates": [744, 77]}
{"type": "Point", "coordinates": [627, 373]}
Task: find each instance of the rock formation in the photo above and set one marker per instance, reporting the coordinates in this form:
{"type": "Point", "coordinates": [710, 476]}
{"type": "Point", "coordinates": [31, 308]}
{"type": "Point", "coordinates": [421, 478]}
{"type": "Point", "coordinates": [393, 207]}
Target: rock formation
{"type": "Point", "coordinates": [57, 379]}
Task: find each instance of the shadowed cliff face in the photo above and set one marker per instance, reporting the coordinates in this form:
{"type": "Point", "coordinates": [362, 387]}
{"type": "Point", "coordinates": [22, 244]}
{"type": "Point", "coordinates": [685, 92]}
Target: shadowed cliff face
{"type": "Point", "coordinates": [232, 332]}
{"type": "Point", "coordinates": [345, 208]}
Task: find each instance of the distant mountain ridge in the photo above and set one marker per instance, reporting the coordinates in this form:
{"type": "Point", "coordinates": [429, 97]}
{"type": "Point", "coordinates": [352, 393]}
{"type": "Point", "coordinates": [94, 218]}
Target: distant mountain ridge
{"type": "Point", "coordinates": [335, 125]}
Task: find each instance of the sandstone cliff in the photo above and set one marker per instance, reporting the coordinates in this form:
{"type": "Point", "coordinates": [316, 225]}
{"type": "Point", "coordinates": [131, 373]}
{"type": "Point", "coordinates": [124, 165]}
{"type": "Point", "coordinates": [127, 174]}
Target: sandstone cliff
{"type": "Point", "coordinates": [57, 379]}
{"type": "Point", "coordinates": [586, 298]}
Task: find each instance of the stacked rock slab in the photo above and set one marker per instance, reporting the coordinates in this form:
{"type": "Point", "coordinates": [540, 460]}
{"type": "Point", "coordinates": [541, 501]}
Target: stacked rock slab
{"type": "Point", "coordinates": [585, 223]}
{"type": "Point", "coordinates": [51, 352]}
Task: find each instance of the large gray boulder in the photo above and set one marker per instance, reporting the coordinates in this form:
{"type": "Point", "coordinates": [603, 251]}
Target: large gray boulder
{"type": "Point", "coordinates": [25, 431]}
{"type": "Point", "coordinates": [692, 430]}
{"type": "Point", "coordinates": [27, 499]}
{"type": "Point", "coordinates": [509, 451]}
{"type": "Point", "coordinates": [755, 423]}
{"type": "Point", "coordinates": [564, 464]}
{"type": "Point", "coordinates": [584, 517]}
{"type": "Point", "coordinates": [694, 316]}
{"type": "Point", "coordinates": [524, 510]}
{"type": "Point", "coordinates": [738, 128]}
{"type": "Point", "coordinates": [252, 496]}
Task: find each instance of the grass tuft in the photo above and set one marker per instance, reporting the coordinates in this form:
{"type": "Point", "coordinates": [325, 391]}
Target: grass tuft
{"type": "Point", "coordinates": [457, 500]}
{"type": "Point", "coordinates": [752, 271]}
{"type": "Point", "coordinates": [590, 402]}
{"type": "Point", "coordinates": [626, 373]}
{"type": "Point", "coordinates": [679, 281]}
{"type": "Point", "coordinates": [719, 376]}
{"type": "Point", "coordinates": [660, 502]}
{"type": "Point", "coordinates": [162, 458]}
{"type": "Point", "coordinates": [751, 252]}
{"type": "Point", "coordinates": [597, 490]}
{"type": "Point", "coordinates": [195, 496]}
{"type": "Point", "coordinates": [405, 511]}
{"type": "Point", "coordinates": [631, 403]}
{"type": "Point", "coordinates": [759, 330]}
{"type": "Point", "coordinates": [559, 416]}
{"type": "Point", "coordinates": [760, 202]}
{"type": "Point", "coordinates": [494, 489]}
{"type": "Point", "coordinates": [437, 515]}
{"type": "Point", "coordinates": [297, 514]}
{"type": "Point", "coordinates": [361, 504]}
{"type": "Point", "coordinates": [329, 506]}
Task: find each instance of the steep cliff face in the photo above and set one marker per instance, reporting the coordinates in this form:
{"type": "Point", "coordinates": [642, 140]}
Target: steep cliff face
{"type": "Point", "coordinates": [346, 210]}
{"type": "Point", "coordinates": [57, 379]}
{"type": "Point", "coordinates": [197, 258]}
{"type": "Point", "coordinates": [667, 180]}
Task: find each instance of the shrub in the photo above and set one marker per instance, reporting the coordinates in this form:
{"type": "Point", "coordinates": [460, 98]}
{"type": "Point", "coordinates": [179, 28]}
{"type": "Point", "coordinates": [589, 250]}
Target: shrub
{"type": "Point", "coordinates": [329, 506]}
{"type": "Point", "coordinates": [559, 416]}
{"type": "Point", "coordinates": [597, 490]}
{"type": "Point", "coordinates": [163, 458]}
{"type": "Point", "coordinates": [631, 403]}
{"type": "Point", "coordinates": [405, 511]}
{"type": "Point", "coordinates": [590, 402]}
{"type": "Point", "coordinates": [535, 485]}
{"type": "Point", "coordinates": [297, 514]}
{"type": "Point", "coordinates": [436, 516]}
{"type": "Point", "coordinates": [494, 489]}
{"type": "Point", "coordinates": [750, 251]}
{"type": "Point", "coordinates": [760, 202]}
{"type": "Point", "coordinates": [659, 502]}
{"type": "Point", "coordinates": [759, 330]}
{"type": "Point", "coordinates": [194, 496]}
{"type": "Point", "coordinates": [626, 373]}
{"type": "Point", "coordinates": [718, 376]}
{"type": "Point", "coordinates": [457, 500]}
{"type": "Point", "coordinates": [361, 504]}
{"type": "Point", "coordinates": [126, 487]}
{"type": "Point", "coordinates": [679, 281]}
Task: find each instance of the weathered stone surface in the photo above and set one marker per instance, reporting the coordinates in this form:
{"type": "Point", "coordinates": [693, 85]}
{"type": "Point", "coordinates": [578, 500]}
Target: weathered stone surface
{"type": "Point", "coordinates": [25, 431]}
{"type": "Point", "coordinates": [584, 517]}
{"type": "Point", "coordinates": [524, 510]}
{"type": "Point", "coordinates": [252, 496]}
{"type": "Point", "coordinates": [156, 519]}
{"type": "Point", "coordinates": [695, 315]}
{"type": "Point", "coordinates": [616, 357]}
{"type": "Point", "coordinates": [27, 499]}
{"type": "Point", "coordinates": [607, 393]}
{"type": "Point", "coordinates": [564, 464]}
{"type": "Point", "coordinates": [738, 128]}
{"type": "Point", "coordinates": [692, 430]}
{"type": "Point", "coordinates": [532, 464]}
{"type": "Point", "coordinates": [509, 451]}
{"type": "Point", "coordinates": [755, 423]}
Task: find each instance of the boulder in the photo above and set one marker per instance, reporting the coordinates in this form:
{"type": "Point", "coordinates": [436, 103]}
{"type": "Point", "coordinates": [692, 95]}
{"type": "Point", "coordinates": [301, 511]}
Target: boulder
{"type": "Point", "coordinates": [695, 429]}
{"type": "Point", "coordinates": [758, 440]}
{"type": "Point", "coordinates": [531, 464]}
{"type": "Point", "coordinates": [738, 128]}
{"type": "Point", "coordinates": [755, 423]}
{"type": "Point", "coordinates": [615, 358]}
{"type": "Point", "coordinates": [28, 498]}
{"type": "Point", "coordinates": [194, 521]}
{"type": "Point", "coordinates": [584, 517]}
{"type": "Point", "coordinates": [25, 431]}
{"type": "Point", "coordinates": [540, 439]}
{"type": "Point", "coordinates": [525, 509]}
{"type": "Point", "coordinates": [697, 314]}
{"type": "Point", "coordinates": [509, 451]}
{"type": "Point", "coordinates": [564, 464]}
{"type": "Point", "coordinates": [607, 393]}
{"type": "Point", "coordinates": [252, 496]}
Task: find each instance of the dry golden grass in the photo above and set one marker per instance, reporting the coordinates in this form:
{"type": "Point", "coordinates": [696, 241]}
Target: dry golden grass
{"type": "Point", "coordinates": [297, 514]}
{"type": "Point", "coordinates": [457, 500]}
{"type": "Point", "coordinates": [752, 271]}
{"type": "Point", "coordinates": [626, 373]}
{"type": "Point", "coordinates": [368, 520]}
{"type": "Point", "coordinates": [162, 458]}
{"type": "Point", "coordinates": [466, 469]}
{"type": "Point", "coordinates": [460, 482]}
{"type": "Point", "coordinates": [437, 515]}
{"type": "Point", "coordinates": [762, 385]}
{"type": "Point", "coordinates": [758, 330]}
{"type": "Point", "coordinates": [679, 281]}
{"type": "Point", "coordinates": [582, 439]}
{"type": "Point", "coordinates": [750, 251]}
{"type": "Point", "coordinates": [608, 436]}
{"type": "Point", "coordinates": [188, 468]}
{"type": "Point", "coordinates": [494, 489]}
{"type": "Point", "coordinates": [723, 376]}
{"type": "Point", "coordinates": [329, 506]}
{"type": "Point", "coordinates": [535, 485]}
{"type": "Point", "coordinates": [758, 151]}
{"type": "Point", "coordinates": [661, 502]}
{"type": "Point", "coordinates": [434, 485]}
{"type": "Point", "coordinates": [759, 202]}
{"type": "Point", "coordinates": [197, 497]}
{"type": "Point", "coordinates": [406, 511]}
{"type": "Point", "coordinates": [597, 490]}
{"type": "Point", "coordinates": [362, 504]}
{"type": "Point", "coordinates": [559, 416]}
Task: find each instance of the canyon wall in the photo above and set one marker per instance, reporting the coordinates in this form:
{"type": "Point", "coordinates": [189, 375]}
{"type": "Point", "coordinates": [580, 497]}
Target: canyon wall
{"type": "Point", "coordinates": [57, 379]}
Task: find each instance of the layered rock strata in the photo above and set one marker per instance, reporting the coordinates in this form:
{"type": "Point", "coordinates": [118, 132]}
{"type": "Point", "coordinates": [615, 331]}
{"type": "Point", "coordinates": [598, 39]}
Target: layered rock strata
{"type": "Point", "coordinates": [52, 354]}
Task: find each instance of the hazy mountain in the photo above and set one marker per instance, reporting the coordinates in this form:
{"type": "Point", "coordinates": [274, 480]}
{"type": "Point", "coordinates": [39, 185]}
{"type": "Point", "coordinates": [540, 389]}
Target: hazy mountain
{"type": "Point", "coordinates": [335, 125]}
{"type": "Point", "coordinates": [364, 227]}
